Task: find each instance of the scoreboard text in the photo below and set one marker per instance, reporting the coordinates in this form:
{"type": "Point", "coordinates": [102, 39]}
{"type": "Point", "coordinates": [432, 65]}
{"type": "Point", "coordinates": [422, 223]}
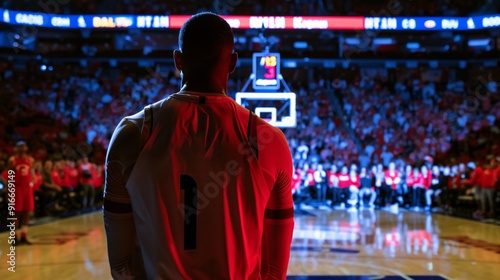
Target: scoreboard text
{"type": "Point", "coordinates": [266, 69]}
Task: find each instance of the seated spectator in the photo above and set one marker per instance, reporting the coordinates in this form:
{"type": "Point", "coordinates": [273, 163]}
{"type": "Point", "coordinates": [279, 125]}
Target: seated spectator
{"type": "Point", "coordinates": [333, 185]}
{"type": "Point", "coordinates": [427, 180]}
{"type": "Point", "coordinates": [418, 189]}
{"type": "Point", "coordinates": [86, 175]}
{"type": "Point", "coordinates": [489, 179]}
{"type": "Point", "coordinates": [474, 182]}
{"type": "Point", "coordinates": [64, 179]}
{"type": "Point", "coordinates": [392, 184]}
{"type": "Point", "coordinates": [344, 186]}
{"type": "Point", "coordinates": [51, 190]}
{"type": "Point", "coordinates": [37, 189]}
{"type": "Point", "coordinates": [353, 188]}
{"type": "Point", "coordinates": [366, 188]}
{"type": "Point", "coordinates": [438, 184]}
{"type": "Point", "coordinates": [99, 183]}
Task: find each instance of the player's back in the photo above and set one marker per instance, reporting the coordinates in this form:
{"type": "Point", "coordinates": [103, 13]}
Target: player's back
{"type": "Point", "coordinates": [198, 192]}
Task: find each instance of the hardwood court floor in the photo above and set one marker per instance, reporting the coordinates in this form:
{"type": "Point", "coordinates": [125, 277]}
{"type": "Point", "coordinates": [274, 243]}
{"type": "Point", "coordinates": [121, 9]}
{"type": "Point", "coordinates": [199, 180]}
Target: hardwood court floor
{"type": "Point", "coordinates": [377, 243]}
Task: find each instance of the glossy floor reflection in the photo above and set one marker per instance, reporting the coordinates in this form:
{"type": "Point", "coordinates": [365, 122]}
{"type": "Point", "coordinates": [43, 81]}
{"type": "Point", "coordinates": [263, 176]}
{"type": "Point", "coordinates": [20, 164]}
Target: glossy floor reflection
{"type": "Point", "coordinates": [327, 245]}
{"type": "Point", "coordinates": [396, 244]}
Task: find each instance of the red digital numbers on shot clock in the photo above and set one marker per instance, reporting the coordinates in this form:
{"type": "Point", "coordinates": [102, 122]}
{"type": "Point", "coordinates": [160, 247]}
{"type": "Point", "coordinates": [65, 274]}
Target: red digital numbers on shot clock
{"type": "Point", "coordinates": [269, 63]}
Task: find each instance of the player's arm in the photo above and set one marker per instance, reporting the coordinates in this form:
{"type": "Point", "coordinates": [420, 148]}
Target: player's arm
{"type": "Point", "coordinates": [278, 224]}
{"type": "Point", "coordinates": [10, 164]}
{"type": "Point", "coordinates": [123, 251]}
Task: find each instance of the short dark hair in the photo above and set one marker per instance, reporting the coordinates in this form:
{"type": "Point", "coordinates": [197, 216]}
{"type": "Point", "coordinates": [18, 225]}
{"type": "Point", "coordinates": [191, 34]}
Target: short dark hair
{"type": "Point", "coordinates": [205, 37]}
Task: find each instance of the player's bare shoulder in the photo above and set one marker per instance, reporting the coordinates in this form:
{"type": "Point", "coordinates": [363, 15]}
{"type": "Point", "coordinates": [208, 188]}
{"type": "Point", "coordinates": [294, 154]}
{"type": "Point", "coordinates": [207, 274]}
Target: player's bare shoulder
{"type": "Point", "coordinates": [126, 136]}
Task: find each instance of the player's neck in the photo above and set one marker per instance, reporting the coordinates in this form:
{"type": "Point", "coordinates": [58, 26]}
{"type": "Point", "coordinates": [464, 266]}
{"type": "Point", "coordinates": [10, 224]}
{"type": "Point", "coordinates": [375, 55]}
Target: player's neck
{"type": "Point", "coordinates": [206, 85]}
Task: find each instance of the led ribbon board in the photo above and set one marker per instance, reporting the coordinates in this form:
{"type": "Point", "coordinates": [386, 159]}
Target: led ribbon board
{"type": "Point", "coordinates": [277, 108]}
{"type": "Point", "coordinates": [81, 21]}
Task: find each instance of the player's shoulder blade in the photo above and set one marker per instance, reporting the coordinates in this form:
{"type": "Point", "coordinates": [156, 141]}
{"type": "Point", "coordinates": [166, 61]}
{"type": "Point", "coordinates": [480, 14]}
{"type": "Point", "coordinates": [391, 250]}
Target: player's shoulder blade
{"type": "Point", "coordinates": [269, 133]}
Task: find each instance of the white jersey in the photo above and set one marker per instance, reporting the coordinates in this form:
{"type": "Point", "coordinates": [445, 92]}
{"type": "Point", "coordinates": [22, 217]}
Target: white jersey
{"type": "Point", "coordinates": [201, 186]}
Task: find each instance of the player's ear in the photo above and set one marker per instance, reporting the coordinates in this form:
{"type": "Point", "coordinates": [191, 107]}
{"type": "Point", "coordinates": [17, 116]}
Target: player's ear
{"type": "Point", "coordinates": [232, 64]}
{"type": "Point", "coordinates": [178, 60]}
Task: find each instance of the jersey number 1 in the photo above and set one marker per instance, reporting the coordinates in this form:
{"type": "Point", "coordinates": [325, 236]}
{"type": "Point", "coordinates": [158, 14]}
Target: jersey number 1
{"type": "Point", "coordinates": [188, 184]}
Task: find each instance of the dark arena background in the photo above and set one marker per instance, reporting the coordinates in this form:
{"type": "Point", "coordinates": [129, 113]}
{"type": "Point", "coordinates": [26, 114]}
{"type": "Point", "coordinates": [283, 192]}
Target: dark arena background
{"type": "Point", "coordinates": [391, 109]}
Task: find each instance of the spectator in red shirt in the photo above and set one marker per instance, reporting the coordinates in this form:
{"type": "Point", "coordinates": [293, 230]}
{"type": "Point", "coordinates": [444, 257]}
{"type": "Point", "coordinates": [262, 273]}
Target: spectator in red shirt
{"type": "Point", "coordinates": [344, 184]}
{"type": "Point", "coordinates": [489, 180]}
{"type": "Point", "coordinates": [51, 190]}
{"type": "Point", "coordinates": [333, 185]}
{"type": "Point", "coordinates": [458, 179]}
{"type": "Point", "coordinates": [407, 184]}
{"type": "Point", "coordinates": [475, 182]}
{"type": "Point", "coordinates": [71, 174]}
{"type": "Point", "coordinates": [56, 175]}
{"type": "Point", "coordinates": [309, 176]}
{"type": "Point", "coordinates": [438, 185]}
{"type": "Point", "coordinates": [392, 182]}
{"type": "Point", "coordinates": [37, 166]}
{"type": "Point", "coordinates": [296, 181]}
{"type": "Point", "coordinates": [65, 182]}
{"type": "Point", "coordinates": [99, 179]}
{"type": "Point", "coordinates": [418, 188]}
{"type": "Point", "coordinates": [354, 187]}
{"type": "Point", "coordinates": [86, 173]}
{"type": "Point", "coordinates": [427, 185]}
{"type": "Point", "coordinates": [298, 196]}
{"type": "Point", "coordinates": [448, 187]}
{"type": "Point", "coordinates": [38, 192]}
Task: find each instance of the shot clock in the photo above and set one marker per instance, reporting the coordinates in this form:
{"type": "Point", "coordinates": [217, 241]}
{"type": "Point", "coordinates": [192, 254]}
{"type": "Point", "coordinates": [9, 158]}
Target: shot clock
{"type": "Point", "coordinates": [266, 69]}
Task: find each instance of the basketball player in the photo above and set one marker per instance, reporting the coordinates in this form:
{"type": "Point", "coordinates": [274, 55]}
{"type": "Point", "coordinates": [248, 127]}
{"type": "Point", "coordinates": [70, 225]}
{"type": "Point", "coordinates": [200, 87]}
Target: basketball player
{"type": "Point", "coordinates": [201, 183]}
{"type": "Point", "coordinates": [24, 181]}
